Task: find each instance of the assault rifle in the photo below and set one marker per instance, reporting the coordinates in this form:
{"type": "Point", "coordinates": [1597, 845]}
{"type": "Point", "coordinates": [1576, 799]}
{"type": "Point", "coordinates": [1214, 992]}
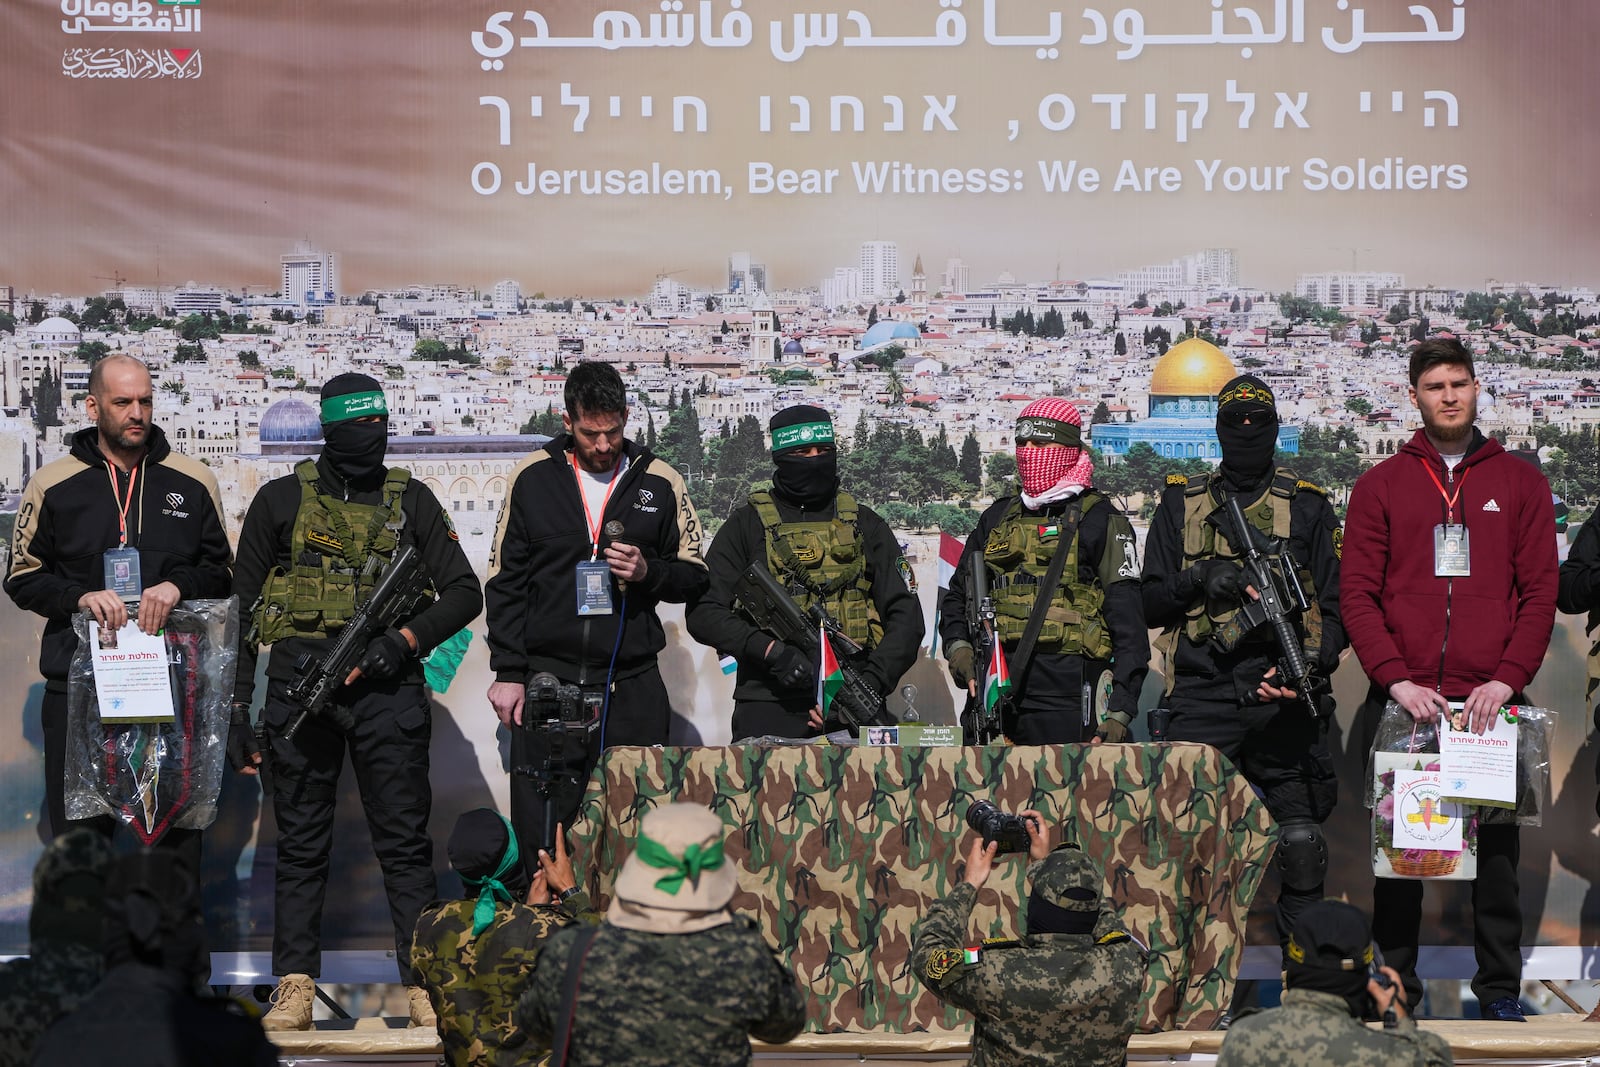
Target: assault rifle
{"type": "Point", "coordinates": [390, 603]}
{"type": "Point", "coordinates": [773, 610]}
{"type": "Point", "coordinates": [980, 725]}
{"type": "Point", "coordinates": [1270, 569]}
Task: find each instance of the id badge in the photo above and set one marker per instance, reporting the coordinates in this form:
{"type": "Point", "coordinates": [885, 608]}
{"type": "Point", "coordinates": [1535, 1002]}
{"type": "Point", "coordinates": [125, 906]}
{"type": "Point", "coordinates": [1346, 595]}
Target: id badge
{"type": "Point", "coordinates": [594, 588]}
{"type": "Point", "coordinates": [122, 572]}
{"type": "Point", "coordinates": [1452, 554]}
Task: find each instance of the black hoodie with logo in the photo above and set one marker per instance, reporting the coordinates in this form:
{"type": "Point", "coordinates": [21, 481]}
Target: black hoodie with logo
{"type": "Point", "coordinates": [69, 519]}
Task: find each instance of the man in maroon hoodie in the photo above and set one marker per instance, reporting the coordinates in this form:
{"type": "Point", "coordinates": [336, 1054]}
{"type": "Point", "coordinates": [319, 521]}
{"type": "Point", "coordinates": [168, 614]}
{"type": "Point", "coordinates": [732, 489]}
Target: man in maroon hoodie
{"type": "Point", "coordinates": [1449, 594]}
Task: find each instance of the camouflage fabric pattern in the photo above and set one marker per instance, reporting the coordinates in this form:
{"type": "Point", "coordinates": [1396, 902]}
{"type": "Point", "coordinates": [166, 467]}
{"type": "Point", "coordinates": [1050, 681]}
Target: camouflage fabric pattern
{"type": "Point", "coordinates": [666, 1000]}
{"type": "Point", "coordinates": [474, 982]}
{"type": "Point", "coordinates": [66, 945]}
{"type": "Point", "coordinates": [1053, 1000]}
{"type": "Point", "coordinates": [1314, 1027]}
{"type": "Point", "coordinates": [841, 851]}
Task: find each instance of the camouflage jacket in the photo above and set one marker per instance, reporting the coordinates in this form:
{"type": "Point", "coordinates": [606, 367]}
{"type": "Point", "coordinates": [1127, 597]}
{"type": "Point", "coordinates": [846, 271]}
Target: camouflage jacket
{"type": "Point", "coordinates": [1053, 999]}
{"type": "Point", "coordinates": [474, 982]}
{"type": "Point", "coordinates": [666, 1000]}
{"type": "Point", "coordinates": [37, 990]}
{"type": "Point", "coordinates": [1318, 1028]}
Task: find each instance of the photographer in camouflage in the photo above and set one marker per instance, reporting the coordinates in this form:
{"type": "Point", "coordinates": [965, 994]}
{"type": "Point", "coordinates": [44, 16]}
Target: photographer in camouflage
{"type": "Point", "coordinates": [66, 942]}
{"type": "Point", "coordinates": [1330, 984]}
{"type": "Point", "coordinates": [474, 955]}
{"type": "Point", "coordinates": [1067, 992]}
{"type": "Point", "coordinates": [672, 978]}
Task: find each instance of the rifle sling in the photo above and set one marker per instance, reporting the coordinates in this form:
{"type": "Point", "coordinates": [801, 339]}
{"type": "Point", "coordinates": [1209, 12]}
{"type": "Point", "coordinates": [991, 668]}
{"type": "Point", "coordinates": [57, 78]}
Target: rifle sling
{"type": "Point", "coordinates": [561, 1040]}
{"type": "Point", "coordinates": [1023, 659]}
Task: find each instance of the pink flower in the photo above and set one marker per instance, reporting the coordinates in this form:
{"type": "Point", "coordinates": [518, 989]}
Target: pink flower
{"type": "Point", "coordinates": [1386, 808]}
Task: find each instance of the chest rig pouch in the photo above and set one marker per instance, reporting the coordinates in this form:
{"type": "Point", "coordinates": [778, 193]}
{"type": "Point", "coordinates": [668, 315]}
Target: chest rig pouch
{"type": "Point", "coordinates": [824, 562]}
{"type": "Point", "coordinates": [1018, 553]}
{"type": "Point", "coordinates": [337, 551]}
{"type": "Point", "coordinates": [1270, 513]}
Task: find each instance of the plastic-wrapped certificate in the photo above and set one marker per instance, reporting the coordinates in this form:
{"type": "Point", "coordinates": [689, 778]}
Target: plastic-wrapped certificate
{"type": "Point", "coordinates": [131, 680]}
{"type": "Point", "coordinates": [1479, 767]}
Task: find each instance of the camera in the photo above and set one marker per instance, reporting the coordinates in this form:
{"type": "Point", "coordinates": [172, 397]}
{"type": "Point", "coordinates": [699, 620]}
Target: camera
{"type": "Point", "coordinates": [560, 718]}
{"type": "Point", "coordinates": [1009, 831]}
{"type": "Point", "coordinates": [547, 701]}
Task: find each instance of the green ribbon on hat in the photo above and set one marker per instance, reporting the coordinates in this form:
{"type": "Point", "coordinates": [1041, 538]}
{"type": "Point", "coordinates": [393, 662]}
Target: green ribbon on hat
{"type": "Point", "coordinates": [696, 860]}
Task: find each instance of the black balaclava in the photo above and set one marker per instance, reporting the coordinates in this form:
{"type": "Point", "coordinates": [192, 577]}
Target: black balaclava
{"type": "Point", "coordinates": [810, 481]}
{"type": "Point", "coordinates": [355, 449]}
{"type": "Point", "coordinates": [477, 848]}
{"type": "Point", "coordinates": [1247, 451]}
{"type": "Point", "coordinates": [1067, 895]}
{"type": "Point", "coordinates": [1330, 951]}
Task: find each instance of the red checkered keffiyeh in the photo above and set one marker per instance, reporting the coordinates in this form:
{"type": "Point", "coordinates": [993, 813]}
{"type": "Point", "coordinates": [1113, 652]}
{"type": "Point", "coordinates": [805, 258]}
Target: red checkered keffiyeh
{"type": "Point", "coordinates": [1052, 420]}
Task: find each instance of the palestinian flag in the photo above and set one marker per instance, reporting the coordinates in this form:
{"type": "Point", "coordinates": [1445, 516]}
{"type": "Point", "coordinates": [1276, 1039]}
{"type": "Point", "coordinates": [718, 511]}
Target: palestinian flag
{"type": "Point", "coordinates": [998, 683]}
{"type": "Point", "coordinates": [950, 550]}
{"type": "Point", "coordinates": [830, 677]}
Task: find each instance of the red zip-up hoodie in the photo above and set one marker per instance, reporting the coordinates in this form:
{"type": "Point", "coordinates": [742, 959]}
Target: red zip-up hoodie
{"type": "Point", "coordinates": [1450, 634]}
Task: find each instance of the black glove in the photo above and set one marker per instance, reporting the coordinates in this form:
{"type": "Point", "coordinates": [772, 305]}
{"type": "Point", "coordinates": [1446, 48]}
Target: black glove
{"type": "Point", "coordinates": [385, 656]}
{"type": "Point", "coordinates": [1114, 730]}
{"type": "Point", "coordinates": [1220, 579]}
{"type": "Point", "coordinates": [962, 660]}
{"type": "Point", "coordinates": [791, 668]}
{"type": "Point", "coordinates": [242, 747]}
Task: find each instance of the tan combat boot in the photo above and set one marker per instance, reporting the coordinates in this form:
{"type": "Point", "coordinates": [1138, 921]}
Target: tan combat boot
{"type": "Point", "coordinates": [291, 1003]}
{"type": "Point", "coordinates": [421, 1007]}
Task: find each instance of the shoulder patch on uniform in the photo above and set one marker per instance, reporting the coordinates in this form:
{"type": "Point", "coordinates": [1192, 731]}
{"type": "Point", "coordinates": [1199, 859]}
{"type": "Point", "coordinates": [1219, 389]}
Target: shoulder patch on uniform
{"type": "Point", "coordinates": [942, 961]}
{"type": "Point", "coordinates": [1313, 486]}
{"type": "Point", "coordinates": [1338, 542]}
{"type": "Point", "coordinates": [1177, 479]}
{"type": "Point", "coordinates": [449, 527]}
{"type": "Point", "coordinates": [903, 565]}
{"type": "Point", "coordinates": [1113, 937]}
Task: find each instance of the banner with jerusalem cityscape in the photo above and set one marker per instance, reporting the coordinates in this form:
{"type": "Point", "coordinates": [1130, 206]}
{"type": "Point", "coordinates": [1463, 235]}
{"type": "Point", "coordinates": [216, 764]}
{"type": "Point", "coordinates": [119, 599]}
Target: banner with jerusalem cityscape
{"type": "Point", "coordinates": [919, 214]}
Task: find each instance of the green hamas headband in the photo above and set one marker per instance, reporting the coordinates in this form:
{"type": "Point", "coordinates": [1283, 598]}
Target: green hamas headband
{"type": "Point", "coordinates": [1049, 431]}
{"type": "Point", "coordinates": [353, 406]}
{"type": "Point", "coordinates": [697, 859]}
{"type": "Point", "coordinates": [802, 434]}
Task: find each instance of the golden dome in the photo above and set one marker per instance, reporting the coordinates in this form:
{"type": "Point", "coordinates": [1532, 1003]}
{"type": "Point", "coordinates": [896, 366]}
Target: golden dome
{"type": "Point", "coordinates": [1191, 368]}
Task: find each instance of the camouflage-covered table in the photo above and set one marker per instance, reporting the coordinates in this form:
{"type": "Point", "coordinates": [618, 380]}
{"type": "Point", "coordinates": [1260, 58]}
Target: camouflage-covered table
{"type": "Point", "coordinates": [840, 850]}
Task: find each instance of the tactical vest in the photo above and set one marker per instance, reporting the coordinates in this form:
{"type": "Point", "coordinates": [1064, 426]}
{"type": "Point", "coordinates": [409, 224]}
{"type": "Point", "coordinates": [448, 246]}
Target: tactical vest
{"type": "Point", "coordinates": [1018, 554]}
{"type": "Point", "coordinates": [336, 552]}
{"type": "Point", "coordinates": [1271, 515]}
{"type": "Point", "coordinates": [824, 561]}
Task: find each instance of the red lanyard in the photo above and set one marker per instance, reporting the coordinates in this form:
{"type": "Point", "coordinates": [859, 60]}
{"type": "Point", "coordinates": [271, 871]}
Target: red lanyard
{"type": "Point", "coordinates": [1449, 498]}
{"type": "Point", "coordinates": [122, 505]}
{"type": "Point", "coordinates": [589, 520]}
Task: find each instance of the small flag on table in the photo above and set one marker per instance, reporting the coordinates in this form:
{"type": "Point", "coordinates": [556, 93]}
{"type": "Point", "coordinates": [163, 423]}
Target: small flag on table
{"type": "Point", "coordinates": [830, 677]}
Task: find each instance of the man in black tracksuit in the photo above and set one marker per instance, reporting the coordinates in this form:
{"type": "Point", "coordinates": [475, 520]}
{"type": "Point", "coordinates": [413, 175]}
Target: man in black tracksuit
{"type": "Point", "coordinates": [819, 542]}
{"type": "Point", "coordinates": [312, 547]}
{"type": "Point", "coordinates": [595, 532]}
{"type": "Point", "coordinates": [1231, 698]}
{"type": "Point", "coordinates": [121, 485]}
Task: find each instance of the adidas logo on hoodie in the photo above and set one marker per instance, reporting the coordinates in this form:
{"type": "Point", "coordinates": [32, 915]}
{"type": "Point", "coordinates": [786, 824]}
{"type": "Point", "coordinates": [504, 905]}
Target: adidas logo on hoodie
{"type": "Point", "coordinates": [1490, 505]}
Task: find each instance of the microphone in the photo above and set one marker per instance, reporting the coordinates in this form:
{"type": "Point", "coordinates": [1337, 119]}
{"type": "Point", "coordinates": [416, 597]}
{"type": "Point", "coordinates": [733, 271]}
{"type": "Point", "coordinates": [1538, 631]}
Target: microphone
{"type": "Point", "coordinates": [613, 531]}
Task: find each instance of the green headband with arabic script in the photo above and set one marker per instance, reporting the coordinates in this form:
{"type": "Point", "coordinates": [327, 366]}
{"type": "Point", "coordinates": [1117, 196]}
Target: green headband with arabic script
{"type": "Point", "coordinates": [696, 860]}
{"type": "Point", "coordinates": [353, 406]}
{"type": "Point", "coordinates": [802, 434]}
{"type": "Point", "coordinates": [1041, 430]}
